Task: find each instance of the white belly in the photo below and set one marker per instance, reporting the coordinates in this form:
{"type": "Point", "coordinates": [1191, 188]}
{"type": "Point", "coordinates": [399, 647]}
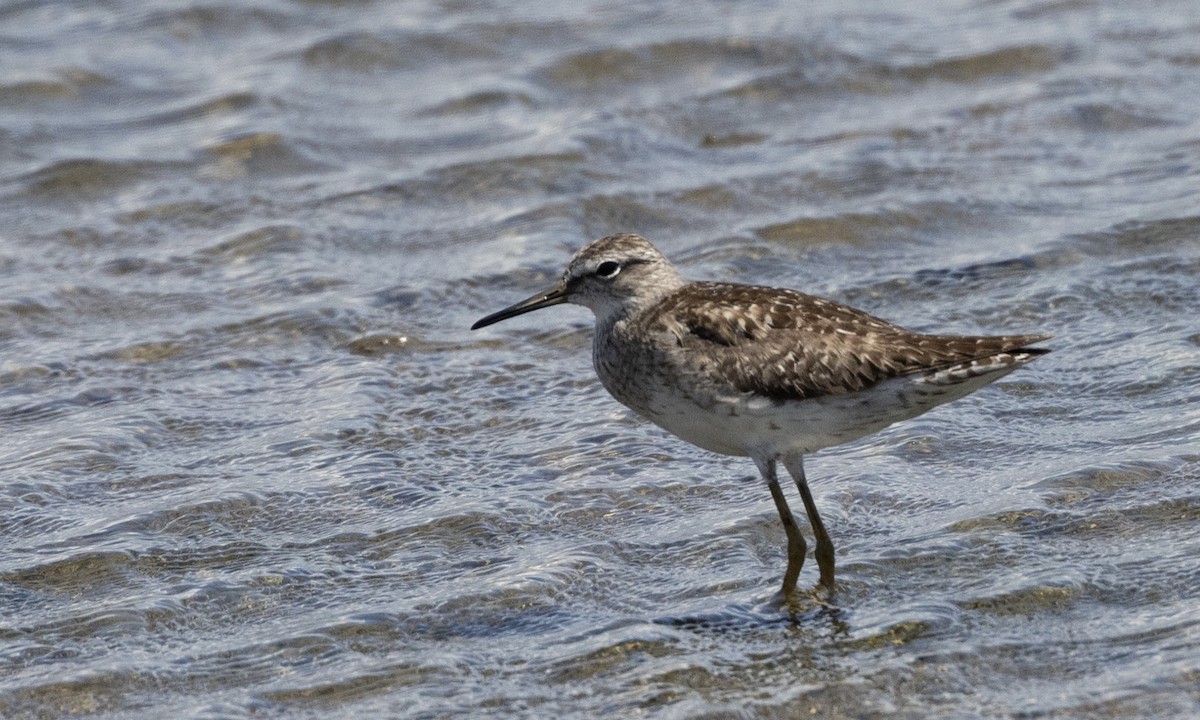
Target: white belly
{"type": "Point", "coordinates": [716, 417]}
{"type": "Point", "coordinates": [750, 425]}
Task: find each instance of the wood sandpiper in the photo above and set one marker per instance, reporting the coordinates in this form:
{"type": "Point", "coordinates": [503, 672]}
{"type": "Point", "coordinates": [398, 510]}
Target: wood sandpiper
{"type": "Point", "coordinates": [762, 372]}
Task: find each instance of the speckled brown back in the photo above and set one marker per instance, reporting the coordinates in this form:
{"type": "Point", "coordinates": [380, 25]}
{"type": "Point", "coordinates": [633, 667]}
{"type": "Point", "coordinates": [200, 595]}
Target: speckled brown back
{"type": "Point", "coordinates": [786, 345]}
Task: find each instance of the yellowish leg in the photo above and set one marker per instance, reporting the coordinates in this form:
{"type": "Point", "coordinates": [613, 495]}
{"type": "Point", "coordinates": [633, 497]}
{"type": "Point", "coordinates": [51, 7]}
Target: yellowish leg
{"type": "Point", "coordinates": [824, 549]}
{"type": "Point", "coordinates": [796, 545]}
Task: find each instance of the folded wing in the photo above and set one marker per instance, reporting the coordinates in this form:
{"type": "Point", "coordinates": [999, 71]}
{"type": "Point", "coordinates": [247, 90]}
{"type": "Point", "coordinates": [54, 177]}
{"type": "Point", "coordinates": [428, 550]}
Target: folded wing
{"type": "Point", "coordinates": [786, 345]}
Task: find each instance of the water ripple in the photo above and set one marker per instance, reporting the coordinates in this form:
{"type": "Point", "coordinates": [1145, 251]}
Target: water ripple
{"type": "Point", "coordinates": [257, 464]}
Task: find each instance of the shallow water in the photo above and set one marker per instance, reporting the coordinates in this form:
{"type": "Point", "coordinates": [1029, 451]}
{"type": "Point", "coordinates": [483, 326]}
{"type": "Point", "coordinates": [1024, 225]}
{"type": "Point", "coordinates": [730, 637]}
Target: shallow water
{"type": "Point", "coordinates": [255, 463]}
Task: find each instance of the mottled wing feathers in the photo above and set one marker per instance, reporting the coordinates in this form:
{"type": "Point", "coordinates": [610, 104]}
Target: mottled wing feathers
{"type": "Point", "coordinates": [787, 345]}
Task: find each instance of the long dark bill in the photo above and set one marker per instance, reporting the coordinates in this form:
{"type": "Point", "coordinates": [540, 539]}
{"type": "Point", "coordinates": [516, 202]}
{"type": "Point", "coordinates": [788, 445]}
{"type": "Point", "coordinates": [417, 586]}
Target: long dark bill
{"type": "Point", "coordinates": [555, 296]}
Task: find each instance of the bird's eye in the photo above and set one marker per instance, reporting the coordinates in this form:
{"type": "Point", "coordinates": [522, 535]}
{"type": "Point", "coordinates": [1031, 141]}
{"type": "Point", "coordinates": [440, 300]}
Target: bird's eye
{"type": "Point", "coordinates": [608, 269]}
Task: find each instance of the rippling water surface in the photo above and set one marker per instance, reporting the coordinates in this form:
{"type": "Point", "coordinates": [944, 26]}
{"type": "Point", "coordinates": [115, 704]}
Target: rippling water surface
{"type": "Point", "coordinates": [255, 463]}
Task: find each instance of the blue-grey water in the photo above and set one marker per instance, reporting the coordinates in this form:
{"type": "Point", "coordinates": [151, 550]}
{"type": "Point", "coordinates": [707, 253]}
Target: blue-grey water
{"type": "Point", "coordinates": [255, 465]}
